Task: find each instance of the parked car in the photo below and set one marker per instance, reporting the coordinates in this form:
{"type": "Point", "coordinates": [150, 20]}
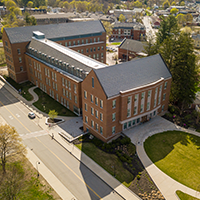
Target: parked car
{"type": "Point", "coordinates": [31, 115]}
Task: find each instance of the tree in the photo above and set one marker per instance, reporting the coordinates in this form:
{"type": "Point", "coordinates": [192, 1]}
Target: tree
{"type": "Point", "coordinates": [185, 78]}
{"type": "Point", "coordinates": [173, 3]}
{"type": "Point", "coordinates": [181, 19]}
{"type": "Point", "coordinates": [166, 4]}
{"type": "Point", "coordinates": [168, 27]}
{"type": "Point", "coordinates": [137, 4]}
{"type": "Point", "coordinates": [108, 28]}
{"type": "Point", "coordinates": [10, 145]}
{"type": "Point", "coordinates": [173, 10]}
{"type": "Point", "coordinates": [29, 4]}
{"type": "Point", "coordinates": [189, 17]}
{"type": "Point", "coordinates": [52, 114]}
{"type": "Point", "coordinates": [182, 3]}
{"type": "Point", "coordinates": [122, 18]}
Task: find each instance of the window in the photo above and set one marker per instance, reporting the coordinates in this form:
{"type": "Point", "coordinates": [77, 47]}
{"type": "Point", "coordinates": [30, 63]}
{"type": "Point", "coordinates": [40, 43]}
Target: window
{"type": "Point", "coordinates": [18, 51]}
{"type": "Point", "coordinates": [86, 119]}
{"type": "Point", "coordinates": [101, 116]}
{"type": "Point", "coordinates": [96, 113]}
{"type": "Point", "coordinates": [113, 130]}
{"type": "Point", "coordinates": [85, 94]}
{"type": "Point", "coordinates": [70, 95]}
{"type": "Point", "coordinates": [142, 97]}
{"type": "Point", "coordinates": [128, 112]}
{"type": "Point", "coordinates": [96, 101]}
{"type": "Point", "coordinates": [98, 39]}
{"type": "Point", "coordinates": [92, 98]}
{"type": "Point", "coordinates": [69, 84]}
{"type": "Point", "coordinates": [92, 82]}
{"type": "Point", "coordinates": [163, 107]}
{"type": "Point", "coordinates": [101, 47]}
{"type": "Point", "coordinates": [148, 106]}
{"type": "Point", "coordinates": [81, 50]}
{"type": "Point", "coordinates": [92, 111]}
{"type": "Point", "coordinates": [113, 117]}
{"type": "Point", "coordinates": [149, 93]}
{"type": "Point", "coordinates": [20, 59]}
{"type": "Point", "coordinates": [78, 42]}
{"type": "Point", "coordinates": [165, 86]}
{"type": "Point", "coordinates": [83, 41]}
{"type": "Point", "coordinates": [128, 100]}
{"type": "Point", "coordinates": [136, 97]}
{"type": "Point", "coordinates": [75, 99]}
{"type": "Point", "coordinates": [101, 129]}
{"type": "Point", "coordinates": [87, 50]}
{"type": "Point", "coordinates": [164, 96]}
{"type": "Point", "coordinates": [85, 107]}
{"type": "Point", "coordinates": [69, 43]}
{"type": "Point", "coordinates": [138, 120]}
{"type": "Point", "coordinates": [94, 56]}
{"type": "Point", "coordinates": [98, 48]}
{"type": "Point", "coordinates": [74, 88]}
{"type": "Point", "coordinates": [129, 123]}
{"type": "Point", "coordinates": [101, 103]}
{"type": "Point", "coordinates": [65, 83]}
{"type": "Point", "coordinates": [142, 108]}
{"type": "Point", "coordinates": [74, 43]}
{"type": "Point", "coordinates": [135, 110]}
{"type": "Point", "coordinates": [90, 40]}
{"type": "Point", "coordinates": [133, 122]}
{"type": "Point", "coordinates": [86, 41]}
{"type": "Point", "coordinates": [21, 68]}
{"type": "Point", "coordinates": [125, 126]}
{"type": "Point", "coordinates": [92, 123]}
{"type": "Point", "coordinates": [63, 92]}
{"type": "Point", "coordinates": [114, 104]}
{"type": "Point", "coordinates": [94, 49]}
{"type": "Point", "coordinates": [66, 44]}
{"type": "Point", "coordinates": [96, 127]}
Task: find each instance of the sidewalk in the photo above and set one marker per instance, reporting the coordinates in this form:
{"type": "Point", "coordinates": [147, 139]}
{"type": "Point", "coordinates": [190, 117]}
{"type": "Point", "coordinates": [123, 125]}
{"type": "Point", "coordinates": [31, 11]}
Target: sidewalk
{"type": "Point", "coordinates": [166, 184]}
{"type": "Point", "coordinates": [94, 167]}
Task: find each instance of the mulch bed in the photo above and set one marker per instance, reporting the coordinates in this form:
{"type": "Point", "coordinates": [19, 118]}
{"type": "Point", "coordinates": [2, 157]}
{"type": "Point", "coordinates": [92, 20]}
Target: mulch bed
{"type": "Point", "coordinates": [54, 120]}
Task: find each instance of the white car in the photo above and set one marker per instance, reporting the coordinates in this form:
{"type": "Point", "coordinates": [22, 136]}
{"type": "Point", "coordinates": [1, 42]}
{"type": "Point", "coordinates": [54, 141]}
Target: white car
{"type": "Point", "coordinates": [31, 115]}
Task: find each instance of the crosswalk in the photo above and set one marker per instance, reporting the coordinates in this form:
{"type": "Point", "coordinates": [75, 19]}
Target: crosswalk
{"type": "Point", "coordinates": [34, 134]}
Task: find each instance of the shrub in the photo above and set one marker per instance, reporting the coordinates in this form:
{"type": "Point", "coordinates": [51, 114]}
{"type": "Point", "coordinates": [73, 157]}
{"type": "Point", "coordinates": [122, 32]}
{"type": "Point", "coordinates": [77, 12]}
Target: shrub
{"type": "Point", "coordinates": [169, 115]}
{"type": "Point", "coordinates": [120, 151]}
{"type": "Point", "coordinates": [131, 149]}
{"type": "Point", "coordinates": [122, 159]}
{"type": "Point", "coordinates": [140, 173]}
{"type": "Point", "coordinates": [131, 165]}
{"type": "Point", "coordinates": [133, 168]}
{"type": "Point", "coordinates": [138, 177]}
{"type": "Point", "coordinates": [129, 161]}
{"type": "Point", "coordinates": [188, 117]}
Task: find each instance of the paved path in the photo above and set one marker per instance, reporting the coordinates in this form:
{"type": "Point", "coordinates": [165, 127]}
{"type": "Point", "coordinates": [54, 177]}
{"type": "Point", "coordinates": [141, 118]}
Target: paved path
{"type": "Point", "coordinates": [62, 191]}
{"type": "Point", "coordinates": [166, 184]}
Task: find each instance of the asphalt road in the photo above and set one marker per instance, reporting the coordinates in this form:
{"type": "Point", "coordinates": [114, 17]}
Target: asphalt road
{"type": "Point", "coordinates": [81, 182]}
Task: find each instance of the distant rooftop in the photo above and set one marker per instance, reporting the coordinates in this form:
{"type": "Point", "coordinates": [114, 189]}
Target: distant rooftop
{"type": "Point", "coordinates": [55, 31]}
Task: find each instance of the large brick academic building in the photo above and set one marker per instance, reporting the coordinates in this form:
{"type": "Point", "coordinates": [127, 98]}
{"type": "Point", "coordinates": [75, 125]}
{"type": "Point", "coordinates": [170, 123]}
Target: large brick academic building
{"type": "Point", "coordinates": [110, 99]}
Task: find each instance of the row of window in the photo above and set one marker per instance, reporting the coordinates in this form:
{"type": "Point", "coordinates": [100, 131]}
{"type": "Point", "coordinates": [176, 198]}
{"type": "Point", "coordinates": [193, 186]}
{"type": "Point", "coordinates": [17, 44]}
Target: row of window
{"type": "Point", "coordinates": [92, 50]}
{"type": "Point", "coordinates": [9, 58]}
{"type": "Point", "coordinates": [94, 100]}
{"type": "Point", "coordinates": [94, 125]}
{"type": "Point", "coordinates": [66, 83]}
{"type": "Point", "coordinates": [83, 41]}
{"type": "Point", "coordinates": [94, 111]}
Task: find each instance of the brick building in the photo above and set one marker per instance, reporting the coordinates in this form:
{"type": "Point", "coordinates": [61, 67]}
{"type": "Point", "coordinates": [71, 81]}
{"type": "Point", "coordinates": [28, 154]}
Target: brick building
{"type": "Point", "coordinates": [88, 38]}
{"type": "Point", "coordinates": [135, 31]}
{"type": "Point", "coordinates": [130, 49]}
{"type": "Point", "coordinates": [122, 96]}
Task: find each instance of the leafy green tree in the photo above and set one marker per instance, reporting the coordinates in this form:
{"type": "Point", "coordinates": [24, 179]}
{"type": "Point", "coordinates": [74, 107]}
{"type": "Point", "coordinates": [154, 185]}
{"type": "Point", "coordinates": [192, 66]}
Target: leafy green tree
{"type": "Point", "coordinates": [10, 144]}
{"type": "Point", "coordinates": [173, 3]}
{"type": "Point", "coordinates": [173, 10]}
{"type": "Point", "coordinates": [168, 27]}
{"type": "Point", "coordinates": [185, 77]}
{"type": "Point", "coordinates": [189, 17]}
{"type": "Point", "coordinates": [122, 18]}
{"type": "Point", "coordinates": [182, 3]}
{"type": "Point", "coordinates": [108, 28]}
{"type": "Point", "coordinates": [181, 19]}
{"type": "Point", "coordinates": [29, 4]}
{"type": "Point", "coordinates": [137, 4]}
{"type": "Point", "coordinates": [166, 4]}
{"type": "Point", "coordinates": [52, 114]}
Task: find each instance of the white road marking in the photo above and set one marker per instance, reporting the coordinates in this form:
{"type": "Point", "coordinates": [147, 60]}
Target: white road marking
{"type": "Point", "coordinates": [10, 117]}
{"type": "Point", "coordinates": [17, 115]}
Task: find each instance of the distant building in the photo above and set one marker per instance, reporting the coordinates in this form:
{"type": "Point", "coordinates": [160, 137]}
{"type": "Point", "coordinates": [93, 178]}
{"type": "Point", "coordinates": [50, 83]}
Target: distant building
{"type": "Point", "coordinates": [130, 49]}
{"type": "Point", "coordinates": [135, 31]}
{"type": "Point", "coordinates": [196, 39]}
{"type": "Point", "coordinates": [88, 38]}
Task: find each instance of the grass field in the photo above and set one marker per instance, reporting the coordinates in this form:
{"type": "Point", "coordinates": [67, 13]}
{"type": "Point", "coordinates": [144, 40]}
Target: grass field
{"type": "Point", "coordinates": [177, 154]}
{"type": "Point", "coordinates": [184, 196]}
{"type": "Point", "coordinates": [24, 88]}
{"type": "Point", "coordinates": [46, 103]}
{"type": "Point", "coordinates": [109, 162]}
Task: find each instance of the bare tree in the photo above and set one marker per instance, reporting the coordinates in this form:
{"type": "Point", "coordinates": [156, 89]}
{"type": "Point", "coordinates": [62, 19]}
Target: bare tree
{"type": "Point", "coordinates": [10, 145]}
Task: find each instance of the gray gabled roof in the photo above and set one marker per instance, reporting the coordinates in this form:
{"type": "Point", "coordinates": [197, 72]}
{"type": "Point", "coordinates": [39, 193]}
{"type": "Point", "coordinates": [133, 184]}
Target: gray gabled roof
{"type": "Point", "coordinates": [52, 31]}
{"type": "Point", "coordinates": [132, 74]}
{"type": "Point", "coordinates": [132, 45]}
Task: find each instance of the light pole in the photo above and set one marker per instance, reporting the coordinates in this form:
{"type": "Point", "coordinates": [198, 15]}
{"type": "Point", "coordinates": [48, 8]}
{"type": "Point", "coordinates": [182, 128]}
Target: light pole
{"type": "Point", "coordinates": [37, 163]}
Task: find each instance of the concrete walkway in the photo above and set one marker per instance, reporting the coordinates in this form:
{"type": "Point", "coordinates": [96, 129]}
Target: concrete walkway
{"type": "Point", "coordinates": [166, 184]}
{"type": "Point", "coordinates": [35, 96]}
{"type": "Point", "coordinates": [62, 191]}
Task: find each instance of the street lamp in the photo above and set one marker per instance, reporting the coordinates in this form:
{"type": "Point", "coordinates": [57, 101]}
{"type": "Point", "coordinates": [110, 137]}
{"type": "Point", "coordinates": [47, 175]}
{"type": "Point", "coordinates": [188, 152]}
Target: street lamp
{"type": "Point", "coordinates": [37, 163]}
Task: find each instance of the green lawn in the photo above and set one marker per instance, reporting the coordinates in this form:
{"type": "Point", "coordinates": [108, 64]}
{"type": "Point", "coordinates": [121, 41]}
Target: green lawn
{"type": "Point", "coordinates": [177, 154]}
{"type": "Point", "coordinates": [108, 162]}
{"type": "Point", "coordinates": [46, 103]}
{"type": "Point", "coordinates": [116, 43]}
{"type": "Point", "coordinates": [184, 196]}
{"type": "Point", "coordinates": [24, 88]}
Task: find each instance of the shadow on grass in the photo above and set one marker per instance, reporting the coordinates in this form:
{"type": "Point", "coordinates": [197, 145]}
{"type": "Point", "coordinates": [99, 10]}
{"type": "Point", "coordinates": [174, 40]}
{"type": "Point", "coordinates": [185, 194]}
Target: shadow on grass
{"type": "Point", "coordinates": [160, 145]}
{"type": "Point", "coordinates": [47, 103]}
